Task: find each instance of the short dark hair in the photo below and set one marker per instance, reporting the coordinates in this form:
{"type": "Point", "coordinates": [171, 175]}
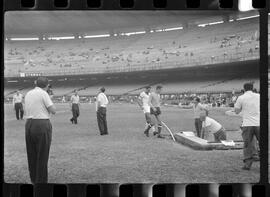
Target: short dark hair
{"type": "Point", "coordinates": [102, 89]}
{"type": "Point", "coordinates": [42, 82]}
{"type": "Point", "coordinates": [147, 87]}
{"type": "Point", "coordinates": [248, 86]}
{"type": "Point", "coordinates": [158, 87]}
{"type": "Point", "coordinates": [197, 99]}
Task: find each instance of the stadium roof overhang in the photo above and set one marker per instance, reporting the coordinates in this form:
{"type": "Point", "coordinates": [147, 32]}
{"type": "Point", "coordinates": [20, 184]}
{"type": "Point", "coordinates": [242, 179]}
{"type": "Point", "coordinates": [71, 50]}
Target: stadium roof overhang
{"type": "Point", "coordinates": [72, 22]}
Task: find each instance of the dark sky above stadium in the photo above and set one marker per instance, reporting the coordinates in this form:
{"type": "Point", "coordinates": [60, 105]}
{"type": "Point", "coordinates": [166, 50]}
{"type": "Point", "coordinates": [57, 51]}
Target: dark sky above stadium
{"type": "Point", "coordinates": [59, 22]}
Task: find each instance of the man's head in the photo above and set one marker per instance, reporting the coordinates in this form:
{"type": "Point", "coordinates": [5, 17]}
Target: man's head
{"type": "Point", "coordinates": [196, 100]}
{"type": "Point", "coordinates": [147, 89]}
{"type": "Point", "coordinates": [102, 89]}
{"type": "Point", "coordinates": [158, 89]}
{"type": "Point", "coordinates": [248, 87]}
{"type": "Point", "coordinates": [203, 115]}
{"type": "Point", "coordinates": [18, 92]}
{"type": "Point", "coordinates": [76, 92]}
{"type": "Point", "coordinates": [42, 82]}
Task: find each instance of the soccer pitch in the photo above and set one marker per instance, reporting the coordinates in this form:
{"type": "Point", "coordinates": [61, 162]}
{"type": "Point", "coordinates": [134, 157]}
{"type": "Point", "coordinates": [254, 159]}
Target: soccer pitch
{"type": "Point", "coordinates": [80, 155]}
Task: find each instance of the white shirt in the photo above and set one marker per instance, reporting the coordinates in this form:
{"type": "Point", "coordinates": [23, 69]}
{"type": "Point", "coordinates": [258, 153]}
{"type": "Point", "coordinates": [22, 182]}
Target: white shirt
{"type": "Point", "coordinates": [102, 99]}
{"type": "Point", "coordinates": [36, 103]}
{"type": "Point", "coordinates": [211, 125]}
{"type": "Point", "coordinates": [17, 98]}
{"type": "Point", "coordinates": [145, 100]}
{"type": "Point", "coordinates": [75, 99]}
{"type": "Point", "coordinates": [197, 110]}
{"type": "Point", "coordinates": [249, 103]}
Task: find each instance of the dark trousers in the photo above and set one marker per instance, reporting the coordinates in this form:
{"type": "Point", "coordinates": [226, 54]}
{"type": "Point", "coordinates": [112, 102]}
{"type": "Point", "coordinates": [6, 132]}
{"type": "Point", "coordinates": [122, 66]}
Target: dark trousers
{"type": "Point", "coordinates": [102, 121]}
{"type": "Point", "coordinates": [75, 113]}
{"type": "Point", "coordinates": [250, 147]}
{"type": "Point", "coordinates": [38, 136]}
{"type": "Point", "coordinates": [220, 135]}
{"type": "Point", "coordinates": [198, 127]}
{"type": "Point", "coordinates": [19, 110]}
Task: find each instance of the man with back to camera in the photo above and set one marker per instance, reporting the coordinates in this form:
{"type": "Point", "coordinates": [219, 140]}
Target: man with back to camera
{"type": "Point", "coordinates": [154, 103]}
{"type": "Point", "coordinates": [143, 103]}
{"type": "Point", "coordinates": [38, 130]}
{"type": "Point", "coordinates": [75, 102]}
{"type": "Point", "coordinates": [18, 105]}
{"type": "Point", "coordinates": [101, 108]}
{"type": "Point", "coordinates": [249, 105]}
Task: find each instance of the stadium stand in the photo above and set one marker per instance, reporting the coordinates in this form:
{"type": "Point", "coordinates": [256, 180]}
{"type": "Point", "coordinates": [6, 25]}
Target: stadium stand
{"type": "Point", "coordinates": [150, 51]}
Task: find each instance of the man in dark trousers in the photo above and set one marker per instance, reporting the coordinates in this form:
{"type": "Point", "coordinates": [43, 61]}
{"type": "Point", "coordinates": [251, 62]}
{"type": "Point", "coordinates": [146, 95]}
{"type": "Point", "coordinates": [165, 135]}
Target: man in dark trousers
{"type": "Point", "coordinates": [18, 106]}
{"type": "Point", "coordinates": [101, 108]}
{"type": "Point", "coordinates": [75, 102]}
{"type": "Point", "coordinates": [38, 130]}
{"type": "Point", "coordinates": [154, 102]}
{"type": "Point", "coordinates": [249, 105]}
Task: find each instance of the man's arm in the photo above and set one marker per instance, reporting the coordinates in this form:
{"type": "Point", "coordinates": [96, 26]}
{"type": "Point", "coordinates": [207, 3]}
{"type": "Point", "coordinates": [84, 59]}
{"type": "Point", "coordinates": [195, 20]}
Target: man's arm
{"type": "Point", "coordinates": [51, 109]}
{"type": "Point", "coordinates": [150, 101]}
{"type": "Point", "coordinates": [139, 101]}
{"type": "Point", "coordinates": [238, 106]}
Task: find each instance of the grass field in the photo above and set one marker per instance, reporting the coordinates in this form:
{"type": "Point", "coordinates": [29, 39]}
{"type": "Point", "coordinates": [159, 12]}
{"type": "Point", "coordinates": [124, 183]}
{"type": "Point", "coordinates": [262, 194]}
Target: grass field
{"type": "Point", "coordinates": [79, 154]}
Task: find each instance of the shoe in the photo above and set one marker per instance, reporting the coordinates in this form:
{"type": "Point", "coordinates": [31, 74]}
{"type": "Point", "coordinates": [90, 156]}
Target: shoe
{"type": "Point", "coordinates": [71, 120]}
{"type": "Point", "coordinates": [155, 133]}
{"type": "Point", "coordinates": [247, 165]}
{"type": "Point", "coordinates": [245, 168]}
{"type": "Point", "coordinates": [256, 158]}
{"type": "Point", "coordinates": [146, 133]}
{"type": "Point", "coordinates": [160, 136]}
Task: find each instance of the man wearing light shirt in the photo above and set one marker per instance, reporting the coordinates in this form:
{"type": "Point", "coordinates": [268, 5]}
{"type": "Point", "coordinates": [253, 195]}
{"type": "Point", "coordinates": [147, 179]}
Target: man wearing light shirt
{"type": "Point", "coordinates": [197, 109]}
{"type": "Point", "coordinates": [38, 130]}
{"type": "Point", "coordinates": [212, 126]}
{"type": "Point", "coordinates": [17, 104]}
{"type": "Point", "coordinates": [101, 108]}
{"type": "Point", "coordinates": [249, 106]}
{"type": "Point", "coordinates": [75, 102]}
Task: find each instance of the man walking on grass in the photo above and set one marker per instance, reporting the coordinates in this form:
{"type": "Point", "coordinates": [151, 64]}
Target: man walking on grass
{"type": "Point", "coordinates": [154, 103]}
{"type": "Point", "coordinates": [143, 102]}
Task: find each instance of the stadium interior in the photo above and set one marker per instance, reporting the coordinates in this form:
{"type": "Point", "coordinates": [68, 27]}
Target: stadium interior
{"type": "Point", "coordinates": [190, 58]}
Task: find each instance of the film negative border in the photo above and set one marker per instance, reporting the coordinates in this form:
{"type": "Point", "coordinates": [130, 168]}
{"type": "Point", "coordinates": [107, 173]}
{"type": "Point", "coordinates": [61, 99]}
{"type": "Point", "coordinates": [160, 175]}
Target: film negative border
{"type": "Point", "coordinates": [126, 4]}
{"type": "Point", "coordinates": [144, 190]}
{"type": "Point", "coordinates": [136, 190]}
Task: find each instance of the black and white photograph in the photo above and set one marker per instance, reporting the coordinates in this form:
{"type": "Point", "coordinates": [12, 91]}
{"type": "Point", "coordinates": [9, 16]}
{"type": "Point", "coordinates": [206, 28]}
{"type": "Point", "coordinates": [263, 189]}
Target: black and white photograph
{"type": "Point", "coordinates": [131, 96]}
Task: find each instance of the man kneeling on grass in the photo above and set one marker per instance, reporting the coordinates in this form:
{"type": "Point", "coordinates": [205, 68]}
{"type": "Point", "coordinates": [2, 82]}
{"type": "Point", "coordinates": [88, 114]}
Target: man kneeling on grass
{"type": "Point", "coordinates": [211, 125]}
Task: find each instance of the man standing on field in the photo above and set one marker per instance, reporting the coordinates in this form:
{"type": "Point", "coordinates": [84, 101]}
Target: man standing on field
{"type": "Point", "coordinates": [75, 102]}
{"type": "Point", "coordinates": [143, 102]}
{"type": "Point", "coordinates": [17, 104]}
{"type": "Point", "coordinates": [249, 105]}
{"type": "Point", "coordinates": [38, 130]}
{"type": "Point", "coordinates": [154, 103]}
{"type": "Point", "coordinates": [101, 108]}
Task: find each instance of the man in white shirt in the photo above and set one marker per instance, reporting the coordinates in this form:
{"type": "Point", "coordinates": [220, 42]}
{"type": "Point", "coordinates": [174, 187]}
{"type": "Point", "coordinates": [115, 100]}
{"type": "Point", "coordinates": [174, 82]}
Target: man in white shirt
{"type": "Point", "coordinates": [143, 103]}
{"type": "Point", "coordinates": [75, 102]}
{"type": "Point", "coordinates": [38, 130]}
{"type": "Point", "coordinates": [197, 109]}
{"type": "Point", "coordinates": [18, 105]}
{"type": "Point", "coordinates": [154, 103]}
{"type": "Point", "coordinates": [249, 106]}
{"type": "Point", "coordinates": [212, 126]}
{"type": "Point", "coordinates": [101, 108]}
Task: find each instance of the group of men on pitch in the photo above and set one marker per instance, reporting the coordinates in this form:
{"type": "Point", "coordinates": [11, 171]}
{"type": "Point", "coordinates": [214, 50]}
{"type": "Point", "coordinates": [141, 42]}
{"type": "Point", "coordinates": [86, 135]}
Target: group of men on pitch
{"type": "Point", "coordinates": [247, 105]}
